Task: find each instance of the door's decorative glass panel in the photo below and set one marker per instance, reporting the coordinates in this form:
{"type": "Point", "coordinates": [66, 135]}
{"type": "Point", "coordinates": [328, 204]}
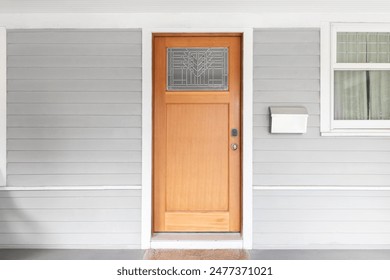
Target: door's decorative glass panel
{"type": "Point", "coordinates": [197, 69]}
{"type": "Point", "coordinates": [363, 47]}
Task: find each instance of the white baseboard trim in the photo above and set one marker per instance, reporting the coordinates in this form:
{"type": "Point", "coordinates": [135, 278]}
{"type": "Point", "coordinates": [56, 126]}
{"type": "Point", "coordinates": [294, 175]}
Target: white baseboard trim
{"type": "Point", "coordinates": [75, 247]}
{"type": "Point", "coordinates": [332, 188]}
{"type": "Point", "coordinates": [323, 247]}
{"type": "Point", "coordinates": [70, 188]}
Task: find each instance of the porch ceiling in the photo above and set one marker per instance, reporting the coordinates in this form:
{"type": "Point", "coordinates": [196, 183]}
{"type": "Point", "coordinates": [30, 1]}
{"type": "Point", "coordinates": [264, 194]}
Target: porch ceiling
{"type": "Point", "coordinates": [194, 6]}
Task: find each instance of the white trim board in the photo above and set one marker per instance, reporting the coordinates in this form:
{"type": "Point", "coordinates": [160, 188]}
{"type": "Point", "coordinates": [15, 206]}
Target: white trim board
{"type": "Point", "coordinates": [319, 188]}
{"type": "Point", "coordinates": [170, 20]}
{"type": "Point", "coordinates": [146, 208]}
{"type": "Point", "coordinates": [247, 97]}
{"type": "Point", "coordinates": [70, 246]}
{"type": "Point", "coordinates": [323, 247]}
{"type": "Point", "coordinates": [70, 188]}
{"type": "Point", "coordinates": [3, 107]}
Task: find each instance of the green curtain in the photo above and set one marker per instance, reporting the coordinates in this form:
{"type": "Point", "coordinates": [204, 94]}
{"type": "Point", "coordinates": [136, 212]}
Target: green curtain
{"type": "Point", "coordinates": [362, 95]}
{"type": "Point", "coordinates": [350, 95]}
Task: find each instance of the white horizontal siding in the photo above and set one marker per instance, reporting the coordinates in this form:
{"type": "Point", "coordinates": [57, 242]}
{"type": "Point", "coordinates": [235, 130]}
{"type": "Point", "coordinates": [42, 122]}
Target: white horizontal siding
{"type": "Point", "coordinates": [70, 219]}
{"type": "Point", "coordinates": [286, 73]}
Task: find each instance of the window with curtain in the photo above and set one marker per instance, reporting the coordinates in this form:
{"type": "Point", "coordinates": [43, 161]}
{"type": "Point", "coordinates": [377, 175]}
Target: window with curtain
{"type": "Point", "coordinates": [362, 94]}
{"type": "Point", "coordinates": [358, 98]}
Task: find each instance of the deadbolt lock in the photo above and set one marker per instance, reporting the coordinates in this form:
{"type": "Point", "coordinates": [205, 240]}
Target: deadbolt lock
{"type": "Point", "coordinates": [234, 132]}
{"type": "Point", "coordinates": [234, 146]}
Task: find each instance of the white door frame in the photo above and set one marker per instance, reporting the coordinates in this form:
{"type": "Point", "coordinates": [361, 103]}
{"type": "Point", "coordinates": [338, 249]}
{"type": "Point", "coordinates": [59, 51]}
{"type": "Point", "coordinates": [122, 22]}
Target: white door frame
{"type": "Point", "coordinates": [247, 121]}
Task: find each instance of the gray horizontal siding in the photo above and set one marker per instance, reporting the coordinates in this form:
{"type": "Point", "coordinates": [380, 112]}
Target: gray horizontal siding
{"type": "Point", "coordinates": [289, 48]}
{"type": "Point", "coordinates": [38, 180]}
{"type": "Point", "coordinates": [74, 240]}
{"type": "Point", "coordinates": [319, 219]}
{"type": "Point", "coordinates": [79, 202]}
{"type": "Point", "coordinates": [107, 144]}
{"type": "Point", "coordinates": [83, 133]}
{"type": "Point", "coordinates": [269, 36]}
{"type": "Point", "coordinates": [74, 119]}
{"type": "Point", "coordinates": [322, 156]}
{"type": "Point", "coordinates": [308, 159]}
{"type": "Point", "coordinates": [319, 168]}
{"type": "Point", "coordinates": [74, 107]}
{"type": "Point", "coordinates": [74, 36]}
{"type": "Point", "coordinates": [74, 73]}
{"type": "Point", "coordinates": [69, 227]}
{"type": "Point", "coordinates": [73, 85]}
{"type": "Point", "coordinates": [73, 156]}
{"type": "Point", "coordinates": [70, 219]}
{"type": "Point", "coordinates": [287, 73]}
{"type": "Point", "coordinates": [285, 60]}
{"type": "Point", "coordinates": [74, 61]}
{"type": "Point", "coordinates": [70, 121]}
{"type": "Point", "coordinates": [64, 49]}
{"type": "Point", "coordinates": [71, 215]}
{"type": "Point", "coordinates": [51, 168]}
{"type": "Point", "coordinates": [319, 144]}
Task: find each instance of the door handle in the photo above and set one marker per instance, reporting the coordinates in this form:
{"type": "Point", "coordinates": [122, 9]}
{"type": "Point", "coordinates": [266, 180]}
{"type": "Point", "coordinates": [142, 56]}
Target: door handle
{"type": "Point", "coordinates": [234, 146]}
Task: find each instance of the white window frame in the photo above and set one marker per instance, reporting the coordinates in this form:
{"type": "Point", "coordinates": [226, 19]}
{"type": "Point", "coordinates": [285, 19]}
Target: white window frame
{"type": "Point", "coordinates": [330, 126]}
{"type": "Point", "coordinates": [3, 107]}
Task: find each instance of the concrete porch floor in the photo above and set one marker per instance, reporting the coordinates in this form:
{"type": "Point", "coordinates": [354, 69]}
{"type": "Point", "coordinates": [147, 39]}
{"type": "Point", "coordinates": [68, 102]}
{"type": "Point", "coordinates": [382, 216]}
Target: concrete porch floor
{"type": "Point", "coordinates": [102, 254]}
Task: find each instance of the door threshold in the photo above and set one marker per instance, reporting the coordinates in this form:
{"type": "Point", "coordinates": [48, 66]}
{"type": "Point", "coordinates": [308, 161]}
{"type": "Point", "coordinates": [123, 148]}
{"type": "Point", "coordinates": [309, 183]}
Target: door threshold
{"type": "Point", "coordinates": [196, 241]}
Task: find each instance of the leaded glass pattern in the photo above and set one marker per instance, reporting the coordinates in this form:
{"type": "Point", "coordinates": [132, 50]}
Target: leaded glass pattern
{"type": "Point", "coordinates": [197, 69]}
{"type": "Point", "coordinates": [363, 47]}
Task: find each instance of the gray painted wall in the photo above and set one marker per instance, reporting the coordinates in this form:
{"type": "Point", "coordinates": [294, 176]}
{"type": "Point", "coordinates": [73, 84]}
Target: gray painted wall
{"type": "Point", "coordinates": [74, 119]}
{"type": "Point", "coordinates": [70, 219]}
{"type": "Point", "coordinates": [287, 72]}
{"type": "Point", "coordinates": [74, 107]}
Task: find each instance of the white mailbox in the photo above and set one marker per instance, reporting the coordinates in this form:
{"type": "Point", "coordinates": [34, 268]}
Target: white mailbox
{"type": "Point", "coordinates": [288, 119]}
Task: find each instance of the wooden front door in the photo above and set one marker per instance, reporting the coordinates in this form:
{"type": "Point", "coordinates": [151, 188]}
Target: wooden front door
{"type": "Point", "coordinates": [196, 132]}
